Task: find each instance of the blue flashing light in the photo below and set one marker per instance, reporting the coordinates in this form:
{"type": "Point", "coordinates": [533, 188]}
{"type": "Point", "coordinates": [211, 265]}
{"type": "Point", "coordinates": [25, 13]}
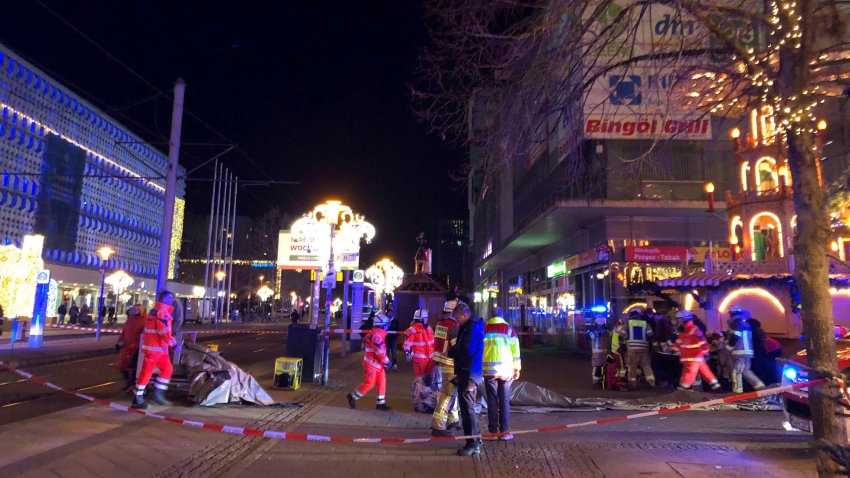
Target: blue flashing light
{"type": "Point", "coordinates": [599, 309]}
{"type": "Point", "coordinates": [790, 373]}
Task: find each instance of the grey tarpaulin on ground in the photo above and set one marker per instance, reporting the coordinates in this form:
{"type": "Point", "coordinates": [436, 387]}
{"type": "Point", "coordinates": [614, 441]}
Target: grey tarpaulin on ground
{"type": "Point", "coordinates": [214, 380]}
{"type": "Point", "coordinates": [525, 394]}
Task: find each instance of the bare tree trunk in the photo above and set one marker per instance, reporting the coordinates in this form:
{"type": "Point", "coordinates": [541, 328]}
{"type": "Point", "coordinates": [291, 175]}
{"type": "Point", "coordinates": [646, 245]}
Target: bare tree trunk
{"type": "Point", "coordinates": [812, 277]}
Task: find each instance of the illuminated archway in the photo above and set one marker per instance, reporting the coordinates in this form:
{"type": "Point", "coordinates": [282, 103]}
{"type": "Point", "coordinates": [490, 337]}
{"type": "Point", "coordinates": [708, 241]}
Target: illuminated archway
{"type": "Point", "coordinates": [745, 170]}
{"type": "Point", "coordinates": [636, 305]}
{"type": "Point", "coordinates": [750, 291]}
{"type": "Point", "coordinates": [767, 178]}
{"type": "Point", "coordinates": [766, 236]}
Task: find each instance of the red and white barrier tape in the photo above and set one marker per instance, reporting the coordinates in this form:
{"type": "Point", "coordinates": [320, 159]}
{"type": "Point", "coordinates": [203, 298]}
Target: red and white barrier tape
{"type": "Point", "coordinates": [103, 330]}
{"type": "Point", "coordinates": [279, 435]}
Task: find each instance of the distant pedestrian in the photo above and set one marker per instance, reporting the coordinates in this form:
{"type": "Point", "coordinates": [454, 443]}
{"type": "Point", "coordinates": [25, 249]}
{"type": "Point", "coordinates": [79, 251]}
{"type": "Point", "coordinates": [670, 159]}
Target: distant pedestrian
{"type": "Point", "coordinates": [61, 312]}
{"type": "Point", "coordinates": [367, 324]}
{"type": "Point", "coordinates": [128, 344]}
{"type": "Point", "coordinates": [501, 366]}
{"type": "Point", "coordinates": [374, 361]}
{"type": "Point", "coordinates": [111, 318]}
{"type": "Point", "coordinates": [693, 348]}
{"type": "Point", "coordinates": [156, 339]}
{"type": "Point", "coordinates": [468, 355]}
{"type": "Point", "coordinates": [294, 317]}
{"type": "Point", "coordinates": [392, 337]}
{"type": "Point", "coordinates": [73, 314]}
{"type": "Point", "coordinates": [85, 315]}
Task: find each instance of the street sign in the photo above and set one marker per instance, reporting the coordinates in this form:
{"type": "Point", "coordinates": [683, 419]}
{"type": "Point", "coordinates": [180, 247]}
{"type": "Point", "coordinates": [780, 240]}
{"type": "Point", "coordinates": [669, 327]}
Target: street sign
{"type": "Point", "coordinates": [358, 276]}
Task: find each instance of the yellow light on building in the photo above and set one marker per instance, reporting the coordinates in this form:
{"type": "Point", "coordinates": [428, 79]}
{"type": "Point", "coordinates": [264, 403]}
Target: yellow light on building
{"type": "Point", "coordinates": [821, 125]}
{"type": "Point", "coordinates": [176, 235]}
{"type": "Point", "coordinates": [735, 133]}
{"type": "Point", "coordinates": [18, 271]}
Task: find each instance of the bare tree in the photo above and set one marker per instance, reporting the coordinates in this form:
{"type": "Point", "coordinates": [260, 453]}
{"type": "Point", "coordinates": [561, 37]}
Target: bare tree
{"type": "Point", "coordinates": [506, 75]}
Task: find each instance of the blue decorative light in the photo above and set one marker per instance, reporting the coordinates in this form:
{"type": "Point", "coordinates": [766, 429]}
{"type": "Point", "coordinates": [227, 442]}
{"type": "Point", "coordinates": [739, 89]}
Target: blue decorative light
{"type": "Point", "coordinates": [790, 373]}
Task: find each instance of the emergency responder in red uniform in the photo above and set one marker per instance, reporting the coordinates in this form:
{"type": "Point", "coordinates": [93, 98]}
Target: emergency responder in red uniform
{"type": "Point", "coordinates": [156, 339]}
{"type": "Point", "coordinates": [128, 344]}
{"type": "Point", "coordinates": [419, 343]}
{"type": "Point", "coordinates": [446, 415]}
{"type": "Point", "coordinates": [692, 349]}
{"type": "Point", "coordinates": [375, 360]}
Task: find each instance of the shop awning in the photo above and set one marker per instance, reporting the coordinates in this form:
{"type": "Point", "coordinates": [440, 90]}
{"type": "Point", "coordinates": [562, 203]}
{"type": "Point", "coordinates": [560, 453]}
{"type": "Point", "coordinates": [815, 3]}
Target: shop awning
{"type": "Point", "coordinates": [697, 280]}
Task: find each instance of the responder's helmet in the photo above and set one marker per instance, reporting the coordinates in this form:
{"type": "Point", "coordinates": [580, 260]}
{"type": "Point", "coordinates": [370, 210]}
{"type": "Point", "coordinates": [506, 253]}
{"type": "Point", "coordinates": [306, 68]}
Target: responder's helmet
{"type": "Point", "coordinates": [736, 311]}
{"type": "Point", "coordinates": [450, 305]}
{"type": "Point", "coordinates": [684, 316]}
{"type": "Point", "coordinates": [421, 315]}
{"type": "Point", "coordinates": [635, 313]}
{"type": "Point", "coordinates": [380, 321]}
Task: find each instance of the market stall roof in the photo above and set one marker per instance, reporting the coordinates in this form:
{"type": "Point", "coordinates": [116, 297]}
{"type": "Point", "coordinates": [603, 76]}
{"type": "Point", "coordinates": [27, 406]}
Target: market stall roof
{"type": "Point", "coordinates": [420, 282]}
{"type": "Point", "coordinates": [714, 280]}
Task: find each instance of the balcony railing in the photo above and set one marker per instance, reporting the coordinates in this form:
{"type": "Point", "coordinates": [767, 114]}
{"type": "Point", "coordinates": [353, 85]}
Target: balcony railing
{"type": "Point", "coordinates": [781, 192]}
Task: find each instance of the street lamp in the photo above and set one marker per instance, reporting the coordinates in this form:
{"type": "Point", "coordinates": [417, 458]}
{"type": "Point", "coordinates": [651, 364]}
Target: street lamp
{"type": "Point", "coordinates": [219, 276]}
{"type": "Point", "coordinates": [386, 276]}
{"type": "Point", "coordinates": [104, 253]}
{"type": "Point", "coordinates": [709, 189]}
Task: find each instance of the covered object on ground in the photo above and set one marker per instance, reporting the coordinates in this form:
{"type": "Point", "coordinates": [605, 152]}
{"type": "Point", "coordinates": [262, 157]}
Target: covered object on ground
{"type": "Point", "coordinates": [214, 380]}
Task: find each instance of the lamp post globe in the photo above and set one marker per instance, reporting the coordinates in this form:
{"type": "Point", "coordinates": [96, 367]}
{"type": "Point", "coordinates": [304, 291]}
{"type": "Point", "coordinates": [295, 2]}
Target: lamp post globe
{"type": "Point", "coordinates": [104, 253]}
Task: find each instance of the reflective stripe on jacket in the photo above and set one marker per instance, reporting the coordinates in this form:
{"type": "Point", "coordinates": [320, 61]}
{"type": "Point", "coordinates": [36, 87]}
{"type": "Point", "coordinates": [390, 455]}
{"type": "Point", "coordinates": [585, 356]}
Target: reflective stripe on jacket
{"type": "Point", "coordinates": [419, 341]}
{"type": "Point", "coordinates": [376, 349]}
{"type": "Point", "coordinates": [445, 337]}
{"type": "Point", "coordinates": [691, 345]}
{"type": "Point", "coordinates": [501, 349]}
{"type": "Point", "coordinates": [156, 336]}
{"type": "Point", "coordinates": [741, 340]}
{"type": "Point", "coordinates": [637, 334]}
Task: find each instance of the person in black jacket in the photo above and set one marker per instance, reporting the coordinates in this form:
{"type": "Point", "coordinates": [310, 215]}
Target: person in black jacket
{"type": "Point", "coordinates": [468, 355]}
{"type": "Point", "coordinates": [392, 337]}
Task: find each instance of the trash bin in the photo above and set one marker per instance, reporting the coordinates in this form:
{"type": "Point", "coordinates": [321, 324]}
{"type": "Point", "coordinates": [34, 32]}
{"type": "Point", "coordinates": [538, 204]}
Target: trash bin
{"type": "Point", "coordinates": [287, 373]}
{"type": "Point", "coordinates": [304, 341]}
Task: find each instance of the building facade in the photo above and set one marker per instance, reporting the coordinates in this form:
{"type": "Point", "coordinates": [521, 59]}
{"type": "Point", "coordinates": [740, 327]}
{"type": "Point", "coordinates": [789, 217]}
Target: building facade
{"type": "Point", "coordinates": [80, 179]}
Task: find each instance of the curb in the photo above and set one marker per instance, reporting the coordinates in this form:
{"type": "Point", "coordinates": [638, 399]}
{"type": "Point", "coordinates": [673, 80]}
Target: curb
{"type": "Point", "coordinates": [65, 357]}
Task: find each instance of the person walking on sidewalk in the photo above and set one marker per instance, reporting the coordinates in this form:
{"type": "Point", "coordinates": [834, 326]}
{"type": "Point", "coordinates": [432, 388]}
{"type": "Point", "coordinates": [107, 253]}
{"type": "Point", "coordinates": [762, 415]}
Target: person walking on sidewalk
{"type": "Point", "coordinates": [501, 366]}
{"type": "Point", "coordinates": [468, 354]}
{"type": "Point", "coordinates": [392, 338]}
{"type": "Point", "coordinates": [637, 333]}
{"type": "Point", "coordinates": [419, 343]}
{"type": "Point", "coordinates": [445, 417]}
{"type": "Point", "coordinates": [374, 361]}
{"type": "Point", "coordinates": [740, 344]}
{"type": "Point", "coordinates": [156, 339]}
{"type": "Point", "coordinates": [128, 344]}
{"type": "Point", "coordinates": [692, 348]}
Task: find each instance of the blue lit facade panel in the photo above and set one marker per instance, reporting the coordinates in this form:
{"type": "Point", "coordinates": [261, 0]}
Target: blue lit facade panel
{"type": "Point", "coordinates": [75, 175]}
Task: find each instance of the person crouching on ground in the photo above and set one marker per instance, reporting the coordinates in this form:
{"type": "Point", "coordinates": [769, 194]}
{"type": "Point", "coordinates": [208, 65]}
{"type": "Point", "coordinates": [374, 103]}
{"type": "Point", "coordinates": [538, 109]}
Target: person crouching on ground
{"type": "Point", "coordinates": [692, 348]}
{"type": "Point", "coordinates": [501, 366]}
{"type": "Point", "coordinates": [156, 339]}
{"type": "Point", "coordinates": [375, 360]}
{"type": "Point", "coordinates": [468, 355]}
{"type": "Point", "coordinates": [128, 344]}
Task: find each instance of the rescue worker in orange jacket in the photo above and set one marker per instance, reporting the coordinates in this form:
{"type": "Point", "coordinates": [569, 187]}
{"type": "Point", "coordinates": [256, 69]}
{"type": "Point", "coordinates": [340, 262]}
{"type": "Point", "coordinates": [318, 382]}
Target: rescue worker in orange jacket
{"type": "Point", "coordinates": [446, 415]}
{"type": "Point", "coordinates": [692, 349]}
{"type": "Point", "coordinates": [128, 343]}
{"type": "Point", "coordinates": [419, 343]}
{"type": "Point", "coordinates": [156, 339]}
{"type": "Point", "coordinates": [374, 361]}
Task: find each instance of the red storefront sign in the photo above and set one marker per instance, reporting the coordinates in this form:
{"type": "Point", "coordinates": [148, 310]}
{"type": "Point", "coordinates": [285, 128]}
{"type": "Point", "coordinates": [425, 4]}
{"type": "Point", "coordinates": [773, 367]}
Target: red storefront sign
{"type": "Point", "coordinates": [658, 253]}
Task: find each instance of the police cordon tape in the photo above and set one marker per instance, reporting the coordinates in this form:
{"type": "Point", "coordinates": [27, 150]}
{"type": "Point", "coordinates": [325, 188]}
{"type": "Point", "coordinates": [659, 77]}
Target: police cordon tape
{"type": "Point", "coordinates": [244, 331]}
{"type": "Point", "coordinates": [280, 435]}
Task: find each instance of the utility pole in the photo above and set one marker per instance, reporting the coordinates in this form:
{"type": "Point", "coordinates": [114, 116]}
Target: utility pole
{"type": "Point", "coordinates": [232, 236]}
{"type": "Point", "coordinates": [206, 307]}
{"type": "Point", "coordinates": [170, 185]}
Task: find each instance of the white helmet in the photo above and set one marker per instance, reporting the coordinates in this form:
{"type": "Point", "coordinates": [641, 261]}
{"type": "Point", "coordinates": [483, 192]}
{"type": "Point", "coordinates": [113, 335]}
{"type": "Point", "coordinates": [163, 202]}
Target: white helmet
{"type": "Point", "coordinates": [684, 315]}
{"type": "Point", "coordinates": [450, 305]}
{"type": "Point", "coordinates": [380, 321]}
{"type": "Point", "coordinates": [421, 314]}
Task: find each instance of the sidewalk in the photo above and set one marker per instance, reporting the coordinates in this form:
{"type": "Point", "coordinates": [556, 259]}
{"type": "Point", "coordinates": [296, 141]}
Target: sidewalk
{"type": "Point", "coordinates": [91, 440]}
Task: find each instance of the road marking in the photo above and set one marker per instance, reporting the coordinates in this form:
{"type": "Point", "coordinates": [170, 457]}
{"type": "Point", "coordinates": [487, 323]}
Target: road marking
{"type": "Point", "coordinates": [259, 350]}
{"type": "Point", "coordinates": [95, 386]}
{"type": "Point", "coordinates": [13, 404]}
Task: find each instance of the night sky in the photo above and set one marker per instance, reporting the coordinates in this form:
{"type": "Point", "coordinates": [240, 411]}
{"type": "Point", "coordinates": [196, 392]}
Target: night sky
{"type": "Point", "coordinates": [311, 91]}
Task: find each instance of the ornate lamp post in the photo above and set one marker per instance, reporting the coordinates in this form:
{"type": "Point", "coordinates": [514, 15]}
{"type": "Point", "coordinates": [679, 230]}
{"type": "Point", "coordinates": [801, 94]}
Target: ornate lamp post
{"type": "Point", "coordinates": [104, 253]}
{"type": "Point", "coordinates": [387, 276]}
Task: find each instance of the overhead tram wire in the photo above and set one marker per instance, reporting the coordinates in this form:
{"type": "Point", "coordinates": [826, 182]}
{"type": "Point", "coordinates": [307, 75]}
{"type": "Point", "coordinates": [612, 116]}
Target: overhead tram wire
{"type": "Point", "coordinates": [154, 87]}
